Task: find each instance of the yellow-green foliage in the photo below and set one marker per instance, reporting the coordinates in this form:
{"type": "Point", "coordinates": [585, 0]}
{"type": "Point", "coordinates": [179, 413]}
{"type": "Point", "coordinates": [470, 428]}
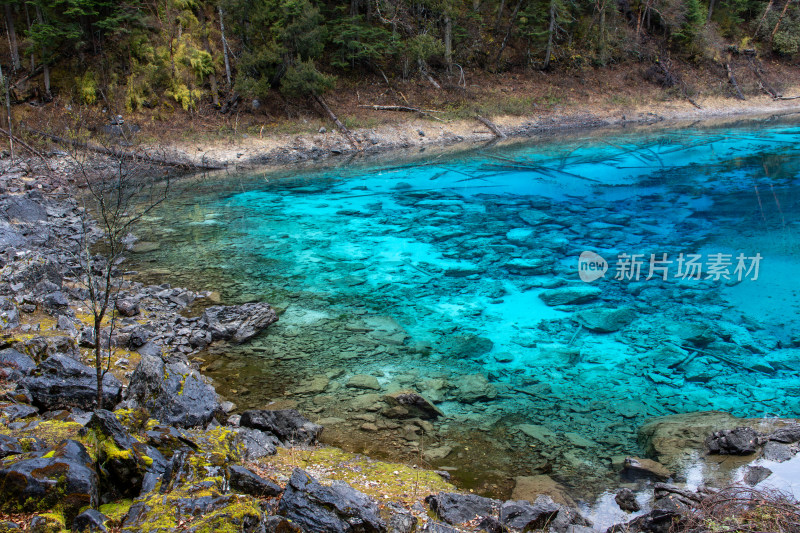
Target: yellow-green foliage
{"type": "Point", "coordinates": [55, 523]}
{"type": "Point", "coordinates": [86, 87]}
{"type": "Point", "coordinates": [378, 479]}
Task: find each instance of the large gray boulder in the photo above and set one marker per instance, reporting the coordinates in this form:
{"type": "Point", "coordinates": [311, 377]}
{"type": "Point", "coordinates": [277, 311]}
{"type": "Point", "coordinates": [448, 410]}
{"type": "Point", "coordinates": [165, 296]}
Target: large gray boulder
{"type": "Point", "coordinates": [174, 393]}
{"type": "Point", "coordinates": [455, 508]}
{"type": "Point", "coordinates": [335, 509]}
{"type": "Point", "coordinates": [238, 323]}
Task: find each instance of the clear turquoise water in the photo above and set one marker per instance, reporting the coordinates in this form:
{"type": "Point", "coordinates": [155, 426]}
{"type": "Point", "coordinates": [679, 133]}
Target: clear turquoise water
{"type": "Point", "coordinates": [409, 270]}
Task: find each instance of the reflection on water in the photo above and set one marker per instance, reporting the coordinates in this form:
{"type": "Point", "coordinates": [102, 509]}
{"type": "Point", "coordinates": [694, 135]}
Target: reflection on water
{"type": "Point", "coordinates": [458, 277]}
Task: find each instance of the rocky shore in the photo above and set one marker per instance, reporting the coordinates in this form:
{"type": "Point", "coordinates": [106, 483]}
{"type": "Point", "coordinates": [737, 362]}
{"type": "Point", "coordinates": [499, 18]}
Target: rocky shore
{"type": "Point", "coordinates": [168, 454]}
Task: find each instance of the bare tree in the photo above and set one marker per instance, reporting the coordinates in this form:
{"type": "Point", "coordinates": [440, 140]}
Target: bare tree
{"type": "Point", "coordinates": [116, 194]}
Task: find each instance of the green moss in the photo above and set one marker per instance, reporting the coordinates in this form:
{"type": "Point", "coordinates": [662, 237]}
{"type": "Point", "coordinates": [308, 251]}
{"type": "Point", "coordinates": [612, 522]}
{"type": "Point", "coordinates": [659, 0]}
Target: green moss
{"type": "Point", "coordinates": [378, 479]}
{"type": "Point", "coordinates": [116, 511]}
{"type": "Point", "coordinates": [49, 454]}
{"type": "Point", "coordinates": [147, 460]}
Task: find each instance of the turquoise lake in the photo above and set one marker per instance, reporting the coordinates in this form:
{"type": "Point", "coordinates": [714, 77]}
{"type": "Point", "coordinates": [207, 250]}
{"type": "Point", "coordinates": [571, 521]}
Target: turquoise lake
{"type": "Point", "coordinates": [456, 274]}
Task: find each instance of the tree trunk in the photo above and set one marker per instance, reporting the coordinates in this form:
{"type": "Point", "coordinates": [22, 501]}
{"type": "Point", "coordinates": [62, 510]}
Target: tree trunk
{"type": "Point", "coordinates": [12, 38]}
{"type": "Point", "coordinates": [8, 110]}
{"type": "Point", "coordinates": [601, 7]}
{"type": "Point", "coordinates": [46, 71]}
{"type": "Point", "coordinates": [550, 34]}
{"type": "Point", "coordinates": [448, 42]}
{"type": "Point", "coordinates": [28, 20]}
{"type": "Point", "coordinates": [777, 24]}
{"type": "Point", "coordinates": [763, 18]}
{"type": "Point", "coordinates": [212, 78]}
{"type": "Point", "coordinates": [711, 4]}
{"type": "Point", "coordinates": [508, 34]}
{"type": "Point", "coordinates": [98, 359]}
{"type": "Point", "coordinates": [338, 123]}
{"type": "Point", "coordinates": [225, 47]}
{"type": "Point", "coordinates": [499, 15]}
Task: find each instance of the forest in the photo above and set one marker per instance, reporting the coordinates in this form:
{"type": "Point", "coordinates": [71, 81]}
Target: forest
{"type": "Point", "coordinates": [129, 55]}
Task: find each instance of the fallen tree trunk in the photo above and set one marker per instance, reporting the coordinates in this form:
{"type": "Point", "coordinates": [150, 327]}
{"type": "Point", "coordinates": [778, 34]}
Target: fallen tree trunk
{"type": "Point", "coordinates": [732, 79]}
{"type": "Point", "coordinates": [492, 126]}
{"type": "Point", "coordinates": [22, 143]}
{"type": "Point", "coordinates": [409, 109]}
{"type": "Point", "coordinates": [338, 123]}
{"type": "Point", "coordinates": [129, 156]}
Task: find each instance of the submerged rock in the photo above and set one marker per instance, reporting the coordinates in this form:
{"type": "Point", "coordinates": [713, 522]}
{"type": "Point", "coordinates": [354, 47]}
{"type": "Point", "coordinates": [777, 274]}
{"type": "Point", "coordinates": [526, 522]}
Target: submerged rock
{"type": "Point", "coordinates": [529, 488]}
{"type": "Point", "coordinates": [415, 405]}
{"type": "Point", "coordinates": [756, 474]}
{"type": "Point", "coordinates": [572, 294]}
{"type": "Point", "coordinates": [338, 508]}
{"type": "Point", "coordinates": [238, 323]}
{"type": "Point", "coordinates": [605, 320]}
{"type": "Point", "coordinates": [61, 382]}
{"type": "Point", "coordinates": [364, 381]}
{"type": "Point", "coordinates": [637, 467]}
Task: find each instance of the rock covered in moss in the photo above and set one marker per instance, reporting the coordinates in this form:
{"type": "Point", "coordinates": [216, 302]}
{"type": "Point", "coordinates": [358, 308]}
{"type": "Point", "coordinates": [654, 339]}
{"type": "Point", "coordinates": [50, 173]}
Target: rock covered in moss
{"type": "Point", "coordinates": [63, 477]}
{"type": "Point", "coordinates": [62, 382]}
{"type": "Point", "coordinates": [238, 323]}
{"type": "Point", "coordinates": [9, 446]}
{"type": "Point", "coordinates": [335, 509]}
{"type": "Point", "coordinates": [288, 425]}
{"type": "Point", "coordinates": [174, 393]}
{"type": "Point", "coordinates": [121, 465]}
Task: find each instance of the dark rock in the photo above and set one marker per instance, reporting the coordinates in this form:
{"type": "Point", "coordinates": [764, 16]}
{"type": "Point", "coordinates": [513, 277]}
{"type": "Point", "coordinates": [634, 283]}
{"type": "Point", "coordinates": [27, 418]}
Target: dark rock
{"type": "Point", "coordinates": [56, 300]}
{"type": "Point", "coordinates": [64, 478]}
{"type": "Point", "coordinates": [15, 364]}
{"type": "Point", "coordinates": [416, 405]}
{"type": "Point", "coordinates": [431, 526]}
{"type": "Point", "coordinates": [788, 434]}
{"type": "Point", "coordinates": [8, 527]}
{"type": "Point", "coordinates": [173, 393]}
{"type": "Point", "coordinates": [9, 315]}
{"type": "Point", "coordinates": [61, 382]}
{"type": "Point", "coordinates": [402, 522]}
{"type": "Point", "coordinates": [778, 452]}
{"type": "Point", "coordinates": [756, 474]}
{"type": "Point", "coordinates": [18, 410]}
{"type": "Point", "coordinates": [738, 441]}
{"type": "Point", "coordinates": [22, 209]}
{"type": "Point", "coordinates": [128, 307]}
{"type": "Point", "coordinates": [46, 523]}
{"type": "Point", "coordinates": [238, 323]}
{"type": "Point", "coordinates": [455, 508]}
{"type": "Point", "coordinates": [653, 522]}
{"type": "Point", "coordinates": [626, 500]}
{"type": "Point", "coordinates": [246, 481]}
{"type": "Point", "coordinates": [286, 424]}
{"type": "Point", "coordinates": [490, 524]}
{"type": "Point", "coordinates": [9, 446]}
{"type": "Point", "coordinates": [540, 514]}
{"type": "Point", "coordinates": [90, 520]}
{"type": "Point", "coordinates": [523, 515]}
{"type": "Point", "coordinates": [256, 444]}
{"type": "Point", "coordinates": [137, 337]}
{"type": "Point", "coordinates": [278, 524]}
{"type": "Point", "coordinates": [120, 464]}
{"type": "Point", "coordinates": [335, 509]}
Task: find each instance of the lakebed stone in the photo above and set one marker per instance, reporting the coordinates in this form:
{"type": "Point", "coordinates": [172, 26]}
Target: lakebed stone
{"type": "Point", "coordinates": [288, 425]}
{"type": "Point", "coordinates": [571, 294]}
{"type": "Point", "coordinates": [238, 323]}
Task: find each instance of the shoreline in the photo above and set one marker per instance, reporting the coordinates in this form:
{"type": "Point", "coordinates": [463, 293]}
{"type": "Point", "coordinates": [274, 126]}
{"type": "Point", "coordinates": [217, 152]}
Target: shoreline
{"type": "Point", "coordinates": [247, 152]}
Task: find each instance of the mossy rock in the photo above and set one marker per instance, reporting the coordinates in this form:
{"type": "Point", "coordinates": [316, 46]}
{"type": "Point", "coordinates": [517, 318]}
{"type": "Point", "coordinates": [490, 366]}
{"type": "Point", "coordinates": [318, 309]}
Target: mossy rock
{"type": "Point", "coordinates": [199, 507]}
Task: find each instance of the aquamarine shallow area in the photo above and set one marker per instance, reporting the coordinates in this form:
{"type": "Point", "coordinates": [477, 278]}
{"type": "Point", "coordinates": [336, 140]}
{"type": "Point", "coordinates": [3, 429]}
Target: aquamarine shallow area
{"type": "Point", "coordinates": [457, 276]}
